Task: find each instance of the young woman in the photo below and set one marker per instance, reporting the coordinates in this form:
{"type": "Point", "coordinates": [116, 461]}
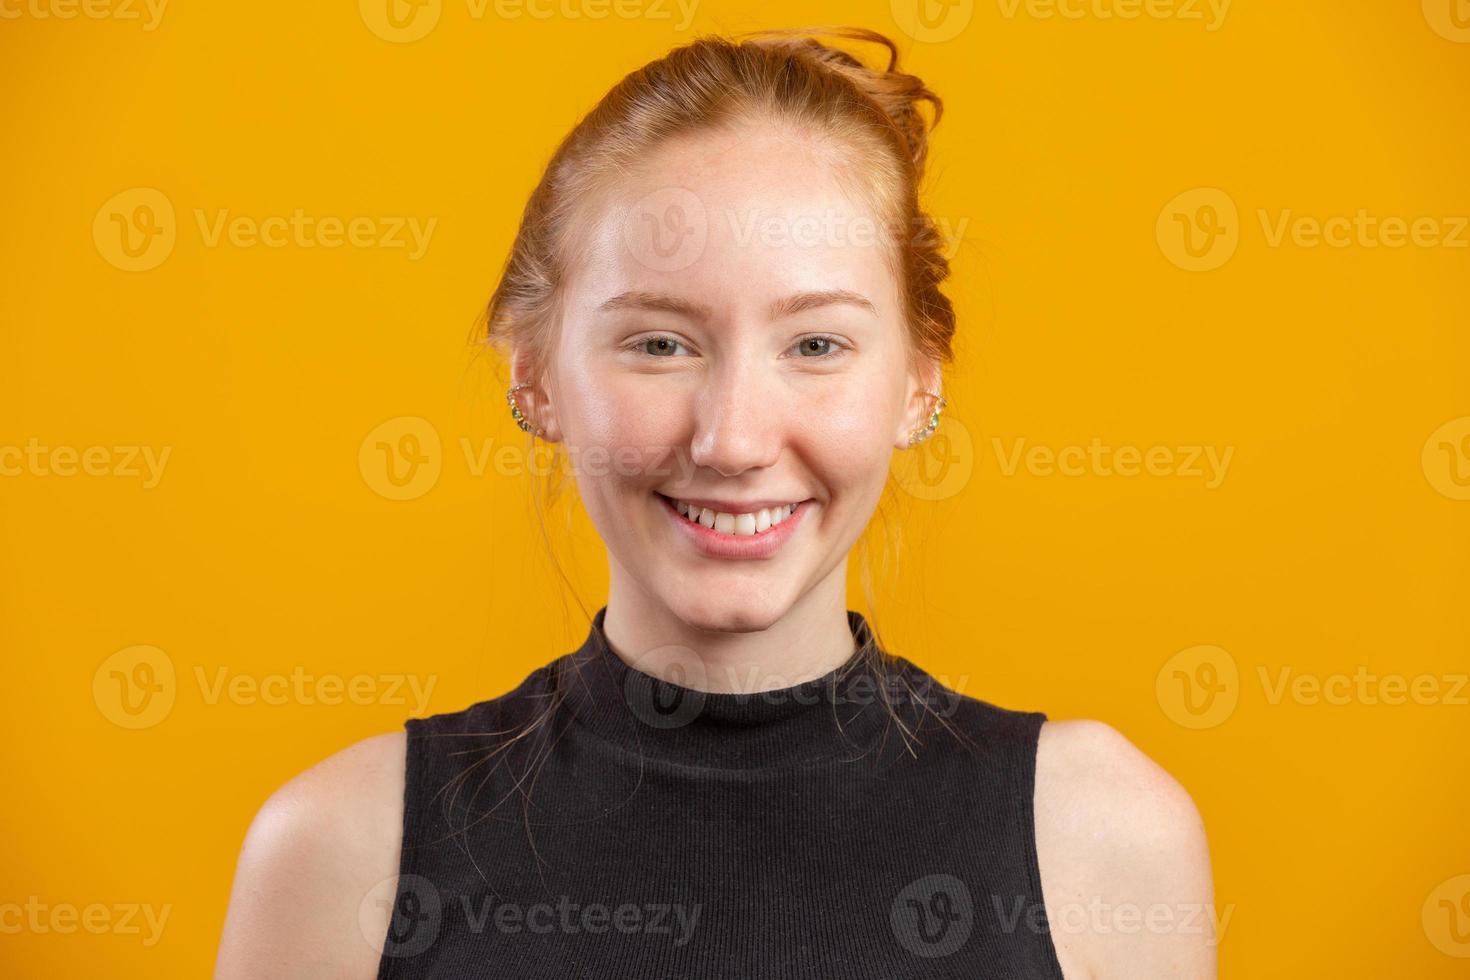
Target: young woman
{"type": "Point", "coordinates": [724, 305]}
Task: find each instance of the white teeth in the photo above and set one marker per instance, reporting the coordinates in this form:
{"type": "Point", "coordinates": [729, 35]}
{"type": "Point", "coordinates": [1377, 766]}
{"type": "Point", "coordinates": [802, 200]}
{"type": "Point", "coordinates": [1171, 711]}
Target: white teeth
{"type": "Point", "coordinates": [737, 524]}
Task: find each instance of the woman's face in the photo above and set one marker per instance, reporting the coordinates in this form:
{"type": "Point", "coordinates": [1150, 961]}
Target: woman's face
{"type": "Point", "coordinates": [731, 335]}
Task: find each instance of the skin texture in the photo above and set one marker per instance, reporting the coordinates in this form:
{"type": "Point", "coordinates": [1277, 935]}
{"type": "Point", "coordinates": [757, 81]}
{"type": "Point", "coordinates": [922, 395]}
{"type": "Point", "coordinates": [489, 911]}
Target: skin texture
{"type": "Point", "coordinates": [315, 853]}
{"type": "Point", "coordinates": [730, 406]}
{"type": "Point", "coordinates": [1125, 865]}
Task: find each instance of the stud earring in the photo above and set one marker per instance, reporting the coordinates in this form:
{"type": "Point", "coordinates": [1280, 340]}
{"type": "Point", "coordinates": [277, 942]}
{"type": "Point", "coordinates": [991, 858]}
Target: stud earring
{"type": "Point", "coordinates": [515, 410]}
{"type": "Point", "coordinates": [919, 435]}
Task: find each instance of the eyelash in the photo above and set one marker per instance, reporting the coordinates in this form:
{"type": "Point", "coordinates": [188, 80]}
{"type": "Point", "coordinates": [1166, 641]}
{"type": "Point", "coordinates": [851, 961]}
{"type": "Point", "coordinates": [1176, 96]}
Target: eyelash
{"type": "Point", "coordinates": [838, 348]}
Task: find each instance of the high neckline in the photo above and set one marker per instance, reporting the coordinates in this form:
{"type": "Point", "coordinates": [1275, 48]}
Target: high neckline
{"type": "Point", "coordinates": [835, 717]}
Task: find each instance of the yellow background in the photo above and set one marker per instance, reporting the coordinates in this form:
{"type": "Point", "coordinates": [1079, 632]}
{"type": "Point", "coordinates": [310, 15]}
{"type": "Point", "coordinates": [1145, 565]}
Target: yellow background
{"type": "Point", "coordinates": [1337, 539]}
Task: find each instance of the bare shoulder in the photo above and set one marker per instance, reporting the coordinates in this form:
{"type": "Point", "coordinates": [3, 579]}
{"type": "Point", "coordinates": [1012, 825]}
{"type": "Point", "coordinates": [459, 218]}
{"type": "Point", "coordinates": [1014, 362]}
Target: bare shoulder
{"type": "Point", "coordinates": [318, 847]}
{"type": "Point", "coordinates": [1124, 859]}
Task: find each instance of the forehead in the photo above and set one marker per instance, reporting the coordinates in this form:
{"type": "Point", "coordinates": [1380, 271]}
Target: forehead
{"type": "Point", "coordinates": [736, 218]}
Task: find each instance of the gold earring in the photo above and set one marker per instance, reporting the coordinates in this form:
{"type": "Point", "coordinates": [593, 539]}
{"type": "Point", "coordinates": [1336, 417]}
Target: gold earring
{"type": "Point", "coordinates": [919, 435]}
{"type": "Point", "coordinates": [515, 410]}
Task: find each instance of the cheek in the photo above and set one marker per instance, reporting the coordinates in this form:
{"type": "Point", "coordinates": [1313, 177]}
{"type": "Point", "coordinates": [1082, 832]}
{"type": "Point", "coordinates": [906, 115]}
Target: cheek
{"type": "Point", "coordinates": [618, 431]}
{"type": "Point", "coordinates": [847, 434]}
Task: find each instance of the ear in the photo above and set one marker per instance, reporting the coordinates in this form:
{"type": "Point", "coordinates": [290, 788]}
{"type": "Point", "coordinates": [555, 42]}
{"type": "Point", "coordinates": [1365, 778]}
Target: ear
{"type": "Point", "coordinates": [917, 406]}
{"type": "Point", "coordinates": [535, 401]}
{"type": "Point", "coordinates": [543, 409]}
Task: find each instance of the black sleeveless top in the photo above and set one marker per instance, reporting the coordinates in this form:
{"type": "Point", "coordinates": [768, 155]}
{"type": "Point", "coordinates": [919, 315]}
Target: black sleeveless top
{"type": "Point", "coordinates": [650, 831]}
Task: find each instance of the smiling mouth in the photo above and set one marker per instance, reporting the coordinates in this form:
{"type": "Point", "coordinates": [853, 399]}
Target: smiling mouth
{"type": "Point", "coordinates": [748, 525]}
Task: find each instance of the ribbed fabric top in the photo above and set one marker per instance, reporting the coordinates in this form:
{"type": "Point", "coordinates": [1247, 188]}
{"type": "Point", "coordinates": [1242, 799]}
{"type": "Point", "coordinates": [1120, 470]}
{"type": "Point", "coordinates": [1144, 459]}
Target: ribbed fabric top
{"type": "Point", "coordinates": [832, 717]}
{"type": "Point", "coordinates": [647, 829]}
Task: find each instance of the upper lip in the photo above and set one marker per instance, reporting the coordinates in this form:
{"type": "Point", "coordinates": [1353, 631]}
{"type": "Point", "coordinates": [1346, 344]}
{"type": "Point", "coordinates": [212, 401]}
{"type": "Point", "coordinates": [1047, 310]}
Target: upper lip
{"type": "Point", "coordinates": [737, 506]}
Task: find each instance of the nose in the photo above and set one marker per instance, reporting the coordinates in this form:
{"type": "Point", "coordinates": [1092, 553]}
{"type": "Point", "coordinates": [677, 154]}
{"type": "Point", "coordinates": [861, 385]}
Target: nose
{"type": "Point", "coordinates": [741, 419]}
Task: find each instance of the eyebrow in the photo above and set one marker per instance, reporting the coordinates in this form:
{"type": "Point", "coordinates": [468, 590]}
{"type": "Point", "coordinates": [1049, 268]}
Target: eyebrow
{"type": "Point", "coordinates": [787, 306]}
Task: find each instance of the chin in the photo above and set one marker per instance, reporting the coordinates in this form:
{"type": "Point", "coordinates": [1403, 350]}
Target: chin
{"type": "Point", "coordinates": [733, 612]}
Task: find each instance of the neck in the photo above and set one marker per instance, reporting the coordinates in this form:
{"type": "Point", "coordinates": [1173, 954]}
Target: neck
{"type": "Point", "coordinates": [731, 653]}
{"type": "Point", "coordinates": [838, 716]}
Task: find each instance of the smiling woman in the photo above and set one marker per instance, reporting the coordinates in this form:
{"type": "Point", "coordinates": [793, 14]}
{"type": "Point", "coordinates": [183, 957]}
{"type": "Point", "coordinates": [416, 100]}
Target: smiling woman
{"type": "Point", "coordinates": [731, 777]}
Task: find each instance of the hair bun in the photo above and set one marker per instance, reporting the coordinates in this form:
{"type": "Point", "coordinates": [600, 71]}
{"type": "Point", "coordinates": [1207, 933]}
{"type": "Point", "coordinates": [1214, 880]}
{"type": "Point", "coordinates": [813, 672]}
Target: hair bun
{"type": "Point", "coordinates": [895, 92]}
